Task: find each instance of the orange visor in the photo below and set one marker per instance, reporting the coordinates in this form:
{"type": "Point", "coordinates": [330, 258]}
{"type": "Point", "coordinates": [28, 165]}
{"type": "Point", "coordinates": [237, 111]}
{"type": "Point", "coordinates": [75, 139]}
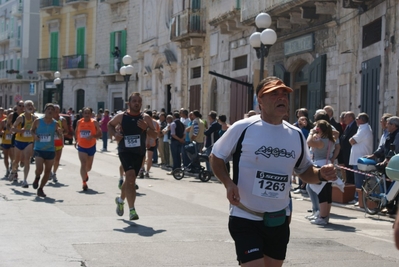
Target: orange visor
{"type": "Point", "coordinates": [273, 85]}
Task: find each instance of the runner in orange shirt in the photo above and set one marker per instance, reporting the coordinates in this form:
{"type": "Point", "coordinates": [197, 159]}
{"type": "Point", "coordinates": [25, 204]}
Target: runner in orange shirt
{"type": "Point", "coordinates": [87, 132]}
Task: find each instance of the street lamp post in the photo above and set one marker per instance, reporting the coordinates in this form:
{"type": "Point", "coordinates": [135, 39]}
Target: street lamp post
{"type": "Point", "coordinates": [263, 39]}
{"type": "Point", "coordinates": [126, 71]}
{"type": "Point", "coordinates": [57, 82]}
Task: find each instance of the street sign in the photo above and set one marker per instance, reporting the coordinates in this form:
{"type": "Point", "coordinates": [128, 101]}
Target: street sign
{"type": "Point", "coordinates": [32, 89]}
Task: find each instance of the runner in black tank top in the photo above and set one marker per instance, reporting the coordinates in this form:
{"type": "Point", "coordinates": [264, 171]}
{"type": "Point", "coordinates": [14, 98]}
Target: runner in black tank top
{"type": "Point", "coordinates": [135, 126]}
{"type": "Point", "coordinates": [133, 136]}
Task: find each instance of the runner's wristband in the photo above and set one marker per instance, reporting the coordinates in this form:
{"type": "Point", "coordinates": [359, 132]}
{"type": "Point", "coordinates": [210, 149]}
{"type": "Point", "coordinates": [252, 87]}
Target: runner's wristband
{"type": "Point", "coordinates": [321, 179]}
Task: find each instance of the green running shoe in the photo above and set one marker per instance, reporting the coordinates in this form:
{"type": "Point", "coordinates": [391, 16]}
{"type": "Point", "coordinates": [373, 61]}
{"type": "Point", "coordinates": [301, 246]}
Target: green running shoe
{"type": "Point", "coordinates": [119, 207]}
{"type": "Point", "coordinates": [133, 215]}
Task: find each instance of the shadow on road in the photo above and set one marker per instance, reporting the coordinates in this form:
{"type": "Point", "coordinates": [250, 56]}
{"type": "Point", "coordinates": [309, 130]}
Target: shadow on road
{"type": "Point", "coordinates": [23, 193]}
{"type": "Point", "coordinates": [139, 229]}
{"type": "Point", "coordinates": [90, 192]}
{"type": "Point", "coordinates": [339, 227]}
{"type": "Point", "coordinates": [56, 185]}
{"type": "Point", "coordinates": [48, 200]}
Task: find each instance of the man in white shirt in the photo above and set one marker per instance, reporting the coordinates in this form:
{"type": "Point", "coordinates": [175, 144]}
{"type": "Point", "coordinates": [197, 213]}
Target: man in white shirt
{"type": "Point", "coordinates": [362, 145]}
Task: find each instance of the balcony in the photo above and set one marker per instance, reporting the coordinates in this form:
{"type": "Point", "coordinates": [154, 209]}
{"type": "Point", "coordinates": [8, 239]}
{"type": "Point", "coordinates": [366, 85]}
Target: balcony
{"type": "Point", "coordinates": [77, 4]}
{"type": "Point", "coordinates": [226, 15]}
{"type": "Point", "coordinates": [47, 66]}
{"type": "Point", "coordinates": [51, 6]}
{"type": "Point", "coordinates": [4, 37]}
{"type": "Point", "coordinates": [111, 2]}
{"type": "Point", "coordinates": [16, 10]}
{"type": "Point", "coordinates": [15, 44]}
{"type": "Point", "coordinates": [188, 28]}
{"type": "Point", "coordinates": [75, 64]}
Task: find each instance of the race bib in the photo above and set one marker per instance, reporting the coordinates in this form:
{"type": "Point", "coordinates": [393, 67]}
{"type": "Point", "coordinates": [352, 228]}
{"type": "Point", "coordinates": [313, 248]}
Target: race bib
{"type": "Point", "coordinates": [132, 140]}
{"type": "Point", "coordinates": [27, 133]}
{"type": "Point", "coordinates": [8, 136]}
{"type": "Point", "coordinates": [45, 138]}
{"type": "Point", "coordinates": [85, 133]}
{"type": "Point", "coordinates": [270, 185]}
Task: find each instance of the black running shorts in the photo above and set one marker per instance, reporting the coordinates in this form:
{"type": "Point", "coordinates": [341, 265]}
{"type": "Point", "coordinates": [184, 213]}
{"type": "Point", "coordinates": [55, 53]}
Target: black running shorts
{"type": "Point", "coordinates": [131, 161]}
{"type": "Point", "coordinates": [253, 239]}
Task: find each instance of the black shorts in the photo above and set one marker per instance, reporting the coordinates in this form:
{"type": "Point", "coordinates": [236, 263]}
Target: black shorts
{"type": "Point", "coordinates": [152, 148]}
{"type": "Point", "coordinates": [253, 239]}
{"type": "Point", "coordinates": [130, 161]}
{"type": "Point", "coordinates": [46, 155]}
{"type": "Point", "coordinates": [325, 194]}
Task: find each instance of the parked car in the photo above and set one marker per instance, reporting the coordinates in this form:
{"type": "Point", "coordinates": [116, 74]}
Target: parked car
{"type": "Point", "coordinates": [69, 136]}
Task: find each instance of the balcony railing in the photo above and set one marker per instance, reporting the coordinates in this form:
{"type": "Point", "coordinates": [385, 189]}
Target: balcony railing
{"type": "Point", "coordinates": [188, 23]}
{"type": "Point", "coordinates": [15, 44]}
{"type": "Point", "coordinates": [4, 37]}
{"type": "Point", "coordinates": [16, 10]}
{"type": "Point", "coordinates": [50, 3]}
{"type": "Point", "coordinates": [21, 75]}
{"type": "Point", "coordinates": [74, 62]}
{"type": "Point", "coordinates": [48, 64]}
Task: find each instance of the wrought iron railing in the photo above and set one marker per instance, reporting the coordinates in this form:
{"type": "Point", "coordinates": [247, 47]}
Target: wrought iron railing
{"type": "Point", "coordinates": [50, 3]}
{"type": "Point", "coordinates": [48, 64]}
{"type": "Point", "coordinates": [74, 62]}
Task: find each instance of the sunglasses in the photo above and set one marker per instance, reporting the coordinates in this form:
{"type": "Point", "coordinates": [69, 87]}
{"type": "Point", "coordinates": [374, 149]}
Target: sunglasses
{"type": "Point", "coordinates": [20, 105]}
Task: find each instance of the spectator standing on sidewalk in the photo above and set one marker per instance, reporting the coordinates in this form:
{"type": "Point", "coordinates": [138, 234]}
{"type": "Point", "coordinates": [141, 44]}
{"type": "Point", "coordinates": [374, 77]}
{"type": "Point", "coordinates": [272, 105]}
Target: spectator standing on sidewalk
{"type": "Point", "coordinates": [212, 135]}
{"type": "Point", "coordinates": [197, 130]}
{"type": "Point", "coordinates": [177, 140]}
{"type": "Point", "coordinates": [104, 129]}
{"type": "Point", "coordinates": [162, 124]}
{"type": "Point", "coordinates": [362, 144]}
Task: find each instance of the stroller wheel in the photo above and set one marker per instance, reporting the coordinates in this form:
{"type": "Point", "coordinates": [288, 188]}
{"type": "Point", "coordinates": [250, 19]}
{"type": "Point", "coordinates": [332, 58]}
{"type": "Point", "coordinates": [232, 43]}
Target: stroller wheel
{"type": "Point", "coordinates": [204, 176]}
{"type": "Point", "coordinates": [178, 174]}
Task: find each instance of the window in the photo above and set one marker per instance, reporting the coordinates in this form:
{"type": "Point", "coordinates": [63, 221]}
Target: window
{"type": "Point", "coordinates": [196, 72]}
{"type": "Point", "coordinates": [118, 39]}
{"type": "Point", "coordinates": [240, 63]}
{"type": "Point", "coordinates": [372, 32]}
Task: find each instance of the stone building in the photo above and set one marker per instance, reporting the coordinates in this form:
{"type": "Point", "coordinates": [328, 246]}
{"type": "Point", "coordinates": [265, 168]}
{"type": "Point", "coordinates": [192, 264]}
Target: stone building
{"type": "Point", "coordinates": [19, 48]}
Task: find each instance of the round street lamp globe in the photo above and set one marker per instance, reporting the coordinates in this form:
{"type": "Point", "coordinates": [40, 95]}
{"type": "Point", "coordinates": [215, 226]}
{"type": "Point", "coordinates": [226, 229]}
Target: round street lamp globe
{"type": "Point", "coordinates": [263, 20]}
{"type": "Point", "coordinates": [57, 81]}
{"type": "Point", "coordinates": [122, 70]}
{"type": "Point", "coordinates": [268, 37]}
{"type": "Point", "coordinates": [129, 70]}
{"type": "Point", "coordinates": [254, 40]}
{"type": "Point", "coordinates": [127, 60]}
{"type": "Point", "coordinates": [57, 74]}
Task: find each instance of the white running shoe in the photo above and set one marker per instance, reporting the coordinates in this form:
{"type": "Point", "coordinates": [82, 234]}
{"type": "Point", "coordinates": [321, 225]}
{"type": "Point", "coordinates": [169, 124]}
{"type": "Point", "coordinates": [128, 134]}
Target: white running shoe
{"type": "Point", "coordinates": [320, 221]}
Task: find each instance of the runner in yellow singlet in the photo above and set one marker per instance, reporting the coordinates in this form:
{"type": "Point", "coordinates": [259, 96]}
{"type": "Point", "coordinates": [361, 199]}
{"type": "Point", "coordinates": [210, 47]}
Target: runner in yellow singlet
{"type": "Point", "coordinates": [6, 145]}
{"type": "Point", "coordinates": [23, 141]}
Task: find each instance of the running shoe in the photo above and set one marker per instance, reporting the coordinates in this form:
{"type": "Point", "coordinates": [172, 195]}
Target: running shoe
{"type": "Point", "coordinates": [25, 184]}
{"type": "Point", "coordinates": [147, 175]}
{"type": "Point", "coordinates": [50, 177]}
{"type": "Point", "coordinates": [40, 193]}
{"type": "Point", "coordinates": [85, 187]}
{"type": "Point", "coordinates": [120, 183]}
{"type": "Point", "coordinates": [55, 178]}
{"type": "Point", "coordinates": [119, 207]}
{"type": "Point", "coordinates": [12, 176]}
{"type": "Point", "coordinates": [7, 173]}
{"type": "Point", "coordinates": [21, 164]}
{"type": "Point", "coordinates": [133, 215]}
{"type": "Point", "coordinates": [36, 183]}
{"type": "Point", "coordinates": [137, 187]}
{"type": "Point", "coordinates": [141, 173]}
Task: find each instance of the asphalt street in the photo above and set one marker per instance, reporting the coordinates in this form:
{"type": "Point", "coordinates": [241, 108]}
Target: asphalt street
{"type": "Point", "coordinates": [182, 223]}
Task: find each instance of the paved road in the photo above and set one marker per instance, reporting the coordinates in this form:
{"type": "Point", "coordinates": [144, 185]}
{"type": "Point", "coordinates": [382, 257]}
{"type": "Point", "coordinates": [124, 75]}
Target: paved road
{"type": "Point", "coordinates": [182, 223]}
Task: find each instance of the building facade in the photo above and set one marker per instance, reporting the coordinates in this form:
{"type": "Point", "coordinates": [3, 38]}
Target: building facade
{"type": "Point", "coordinates": [19, 48]}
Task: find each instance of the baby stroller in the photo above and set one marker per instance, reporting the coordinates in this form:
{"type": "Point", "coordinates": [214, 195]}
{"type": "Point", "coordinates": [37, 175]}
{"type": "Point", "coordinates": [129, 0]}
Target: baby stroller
{"type": "Point", "coordinates": [195, 164]}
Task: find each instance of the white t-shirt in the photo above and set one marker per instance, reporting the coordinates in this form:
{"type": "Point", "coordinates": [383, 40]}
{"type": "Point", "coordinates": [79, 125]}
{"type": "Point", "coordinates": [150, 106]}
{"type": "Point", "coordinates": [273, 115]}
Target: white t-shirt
{"type": "Point", "coordinates": [268, 156]}
{"type": "Point", "coordinates": [364, 143]}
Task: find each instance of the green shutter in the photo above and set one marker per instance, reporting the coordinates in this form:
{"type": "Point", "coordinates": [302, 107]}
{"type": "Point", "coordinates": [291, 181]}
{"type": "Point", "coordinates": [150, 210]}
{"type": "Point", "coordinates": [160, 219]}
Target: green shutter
{"type": "Point", "coordinates": [123, 47]}
{"type": "Point", "coordinates": [80, 45]}
{"type": "Point", "coordinates": [111, 50]}
{"type": "Point", "coordinates": [18, 63]}
{"type": "Point", "coordinates": [195, 4]}
{"type": "Point", "coordinates": [54, 51]}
